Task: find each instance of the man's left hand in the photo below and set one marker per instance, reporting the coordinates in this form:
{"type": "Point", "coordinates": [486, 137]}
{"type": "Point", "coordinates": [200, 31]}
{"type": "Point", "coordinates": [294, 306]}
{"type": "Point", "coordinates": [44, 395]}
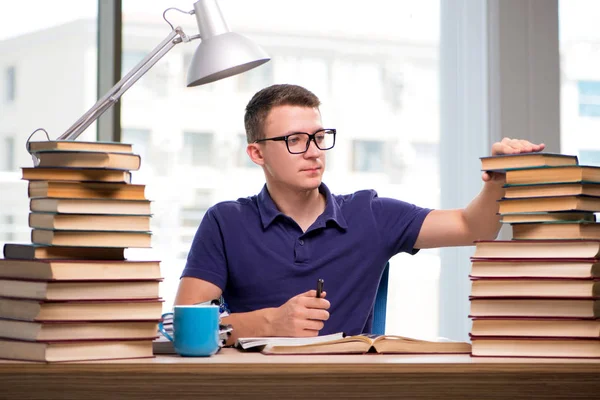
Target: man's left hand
{"type": "Point", "coordinates": [510, 146]}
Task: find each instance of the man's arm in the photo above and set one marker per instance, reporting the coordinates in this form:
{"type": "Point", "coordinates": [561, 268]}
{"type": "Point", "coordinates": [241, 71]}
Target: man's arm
{"type": "Point", "coordinates": [479, 220]}
{"type": "Point", "coordinates": [302, 315]}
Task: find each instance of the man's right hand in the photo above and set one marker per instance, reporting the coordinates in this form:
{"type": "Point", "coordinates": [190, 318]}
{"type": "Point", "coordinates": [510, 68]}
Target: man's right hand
{"type": "Point", "coordinates": [300, 316]}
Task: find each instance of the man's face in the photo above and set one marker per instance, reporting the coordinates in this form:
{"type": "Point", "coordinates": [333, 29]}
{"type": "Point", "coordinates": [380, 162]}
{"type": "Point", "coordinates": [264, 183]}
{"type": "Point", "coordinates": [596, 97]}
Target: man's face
{"type": "Point", "coordinates": [297, 171]}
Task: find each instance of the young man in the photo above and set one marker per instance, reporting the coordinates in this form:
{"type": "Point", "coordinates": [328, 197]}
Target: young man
{"type": "Point", "coordinates": [265, 253]}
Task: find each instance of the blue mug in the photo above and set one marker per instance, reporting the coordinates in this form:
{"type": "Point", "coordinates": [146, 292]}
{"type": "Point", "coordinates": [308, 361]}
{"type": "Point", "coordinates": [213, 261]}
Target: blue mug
{"type": "Point", "coordinates": [195, 330]}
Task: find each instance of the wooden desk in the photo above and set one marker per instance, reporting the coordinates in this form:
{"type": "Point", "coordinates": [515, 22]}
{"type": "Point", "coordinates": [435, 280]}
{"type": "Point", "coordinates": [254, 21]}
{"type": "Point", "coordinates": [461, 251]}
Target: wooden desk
{"type": "Point", "coordinates": [235, 375]}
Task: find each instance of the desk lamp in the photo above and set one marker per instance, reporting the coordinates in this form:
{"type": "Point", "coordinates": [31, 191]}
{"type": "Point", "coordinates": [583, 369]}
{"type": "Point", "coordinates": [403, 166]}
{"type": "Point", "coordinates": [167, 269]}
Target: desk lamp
{"type": "Point", "coordinates": [220, 54]}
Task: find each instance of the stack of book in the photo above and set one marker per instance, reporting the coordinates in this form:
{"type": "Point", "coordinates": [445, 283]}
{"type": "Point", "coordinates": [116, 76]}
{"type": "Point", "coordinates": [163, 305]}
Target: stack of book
{"type": "Point", "coordinates": [70, 294]}
{"type": "Point", "coordinates": [538, 295]}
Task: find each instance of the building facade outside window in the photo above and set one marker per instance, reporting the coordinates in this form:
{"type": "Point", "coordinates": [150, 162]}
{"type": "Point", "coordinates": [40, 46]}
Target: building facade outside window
{"type": "Point", "coordinates": [11, 84]}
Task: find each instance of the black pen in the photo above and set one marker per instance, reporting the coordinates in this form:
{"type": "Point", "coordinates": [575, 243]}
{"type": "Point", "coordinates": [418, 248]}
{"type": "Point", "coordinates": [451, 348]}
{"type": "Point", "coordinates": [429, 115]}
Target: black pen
{"type": "Point", "coordinates": [319, 287]}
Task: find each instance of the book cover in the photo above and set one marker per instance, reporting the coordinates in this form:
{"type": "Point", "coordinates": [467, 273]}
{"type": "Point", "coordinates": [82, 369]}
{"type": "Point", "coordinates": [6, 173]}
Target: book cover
{"type": "Point", "coordinates": [79, 290]}
{"type": "Point", "coordinates": [20, 251]}
{"type": "Point", "coordinates": [74, 350]}
{"type": "Point", "coordinates": [77, 330]}
{"type": "Point", "coordinates": [86, 190]}
{"type": "Point", "coordinates": [79, 269]}
{"type": "Point", "coordinates": [552, 189]}
{"type": "Point", "coordinates": [548, 174]}
{"type": "Point", "coordinates": [91, 206]}
{"type": "Point", "coordinates": [76, 145]}
{"type": "Point", "coordinates": [540, 216]}
{"type": "Point", "coordinates": [535, 287]}
{"type": "Point", "coordinates": [81, 310]}
{"type": "Point", "coordinates": [92, 238]}
{"type": "Point", "coordinates": [557, 230]}
{"type": "Point", "coordinates": [535, 268]}
{"type": "Point", "coordinates": [549, 203]}
{"type": "Point", "coordinates": [89, 159]}
{"type": "Point", "coordinates": [536, 327]}
{"type": "Point", "coordinates": [557, 248]}
{"type": "Point", "coordinates": [504, 162]}
{"type": "Point", "coordinates": [76, 175]}
{"type": "Point", "coordinates": [538, 347]}
{"type": "Point", "coordinates": [535, 307]}
{"type": "Point", "coordinates": [96, 222]}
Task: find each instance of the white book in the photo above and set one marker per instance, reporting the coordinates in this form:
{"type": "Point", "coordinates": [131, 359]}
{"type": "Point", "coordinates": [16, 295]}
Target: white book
{"type": "Point", "coordinates": [250, 342]}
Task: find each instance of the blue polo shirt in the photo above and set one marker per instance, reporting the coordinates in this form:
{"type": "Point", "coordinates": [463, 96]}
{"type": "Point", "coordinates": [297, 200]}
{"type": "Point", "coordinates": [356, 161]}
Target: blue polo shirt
{"type": "Point", "coordinates": [261, 258]}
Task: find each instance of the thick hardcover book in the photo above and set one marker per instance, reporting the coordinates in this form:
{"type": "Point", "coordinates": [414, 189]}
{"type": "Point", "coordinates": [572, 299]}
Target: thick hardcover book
{"type": "Point", "coordinates": [75, 350]}
{"type": "Point", "coordinates": [536, 327]}
{"type": "Point", "coordinates": [539, 308]}
{"type": "Point", "coordinates": [76, 175]}
{"type": "Point", "coordinates": [557, 230]}
{"type": "Point", "coordinates": [91, 206]}
{"type": "Point", "coordinates": [535, 287]}
{"type": "Point", "coordinates": [89, 159]}
{"type": "Point", "coordinates": [74, 145]}
{"type": "Point", "coordinates": [86, 190]}
{"type": "Point", "coordinates": [79, 330]}
{"type": "Point", "coordinates": [529, 217]}
{"type": "Point", "coordinates": [552, 189]}
{"type": "Point", "coordinates": [573, 173]}
{"type": "Point", "coordinates": [550, 203]}
{"type": "Point", "coordinates": [96, 222]}
{"type": "Point", "coordinates": [525, 160]}
{"type": "Point", "coordinates": [79, 290]}
{"type": "Point", "coordinates": [92, 238]}
{"type": "Point", "coordinates": [557, 248]}
{"type": "Point", "coordinates": [73, 270]}
{"type": "Point", "coordinates": [40, 252]}
{"type": "Point", "coordinates": [81, 310]}
{"type": "Point", "coordinates": [535, 347]}
{"type": "Point", "coordinates": [535, 268]}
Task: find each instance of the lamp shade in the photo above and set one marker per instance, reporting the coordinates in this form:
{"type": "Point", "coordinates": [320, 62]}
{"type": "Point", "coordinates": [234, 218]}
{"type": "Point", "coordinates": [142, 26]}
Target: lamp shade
{"type": "Point", "coordinates": [222, 56]}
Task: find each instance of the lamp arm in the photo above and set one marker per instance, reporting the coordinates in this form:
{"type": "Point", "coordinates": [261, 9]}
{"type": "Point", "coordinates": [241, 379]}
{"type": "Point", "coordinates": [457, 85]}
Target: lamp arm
{"type": "Point", "coordinates": [175, 37]}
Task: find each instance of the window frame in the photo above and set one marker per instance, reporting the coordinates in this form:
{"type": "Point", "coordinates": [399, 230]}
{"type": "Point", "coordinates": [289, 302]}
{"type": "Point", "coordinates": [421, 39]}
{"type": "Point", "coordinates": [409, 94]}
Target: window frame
{"type": "Point", "coordinates": [474, 112]}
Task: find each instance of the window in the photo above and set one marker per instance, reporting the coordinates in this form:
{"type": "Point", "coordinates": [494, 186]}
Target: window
{"type": "Point", "coordinates": [368, 156]}
{"type": "Point", "coordinates": [580, 79]}
{"type": "Point", "coordinates": [140, 139]}
{"type": "Point", "coordinates": [305, 70]}
{"type": "Point", "coordinates": [9, 154]}
{"type": "Point", "coordinates": [11, 84]}
{"type": "Point", "coordinates": [156, 79]}
{"type": "Point", "coordinates": [198, 149]}
{"type": "Point", "coordinates": [393, 86]}
{"type": "Point", "coordinates": [7, 225]}
{"type": "Point", "coordinates": [257, 78]}
{"type": "Point", "coordinates": [48, 64]}
{"type": "Point", "coordinates": [242, 158]}
{"type": "Point", "coordinates": [375, 70]}
{"type": "Point", "coordinates": [191, 216]}
{"type": "Point", "coordinates": [589, 157]}
{"type": "Point", "coordinates": [589, 98]}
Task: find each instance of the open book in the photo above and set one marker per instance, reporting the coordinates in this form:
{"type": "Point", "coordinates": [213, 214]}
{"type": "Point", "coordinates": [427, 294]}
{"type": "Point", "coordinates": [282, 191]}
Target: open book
{"type": "Point", "coordinates": [358, 344]}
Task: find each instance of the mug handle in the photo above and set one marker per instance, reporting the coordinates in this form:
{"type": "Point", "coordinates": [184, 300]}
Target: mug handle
{"type": "Point", "coordinates": [161, 328]}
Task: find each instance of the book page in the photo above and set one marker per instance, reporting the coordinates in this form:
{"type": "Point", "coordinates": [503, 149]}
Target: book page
{"type": "Point", "coordinates": [249, 342]}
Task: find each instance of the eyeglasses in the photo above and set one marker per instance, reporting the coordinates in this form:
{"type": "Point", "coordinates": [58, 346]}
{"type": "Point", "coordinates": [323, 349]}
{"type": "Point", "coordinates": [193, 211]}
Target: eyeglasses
{"type": "Point", "coordinates": [298, 142]}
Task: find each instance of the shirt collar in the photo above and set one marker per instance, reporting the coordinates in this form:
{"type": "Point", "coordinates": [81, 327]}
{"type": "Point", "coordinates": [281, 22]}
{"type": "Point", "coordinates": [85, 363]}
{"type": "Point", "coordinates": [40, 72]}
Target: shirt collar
{"type": "Point", "coordinates": [269, 212]}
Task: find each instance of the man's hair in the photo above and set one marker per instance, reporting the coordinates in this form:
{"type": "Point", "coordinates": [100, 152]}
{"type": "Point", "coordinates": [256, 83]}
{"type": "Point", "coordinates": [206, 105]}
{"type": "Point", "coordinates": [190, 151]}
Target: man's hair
{"type": "Point", "coordinates": [265, 100]}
